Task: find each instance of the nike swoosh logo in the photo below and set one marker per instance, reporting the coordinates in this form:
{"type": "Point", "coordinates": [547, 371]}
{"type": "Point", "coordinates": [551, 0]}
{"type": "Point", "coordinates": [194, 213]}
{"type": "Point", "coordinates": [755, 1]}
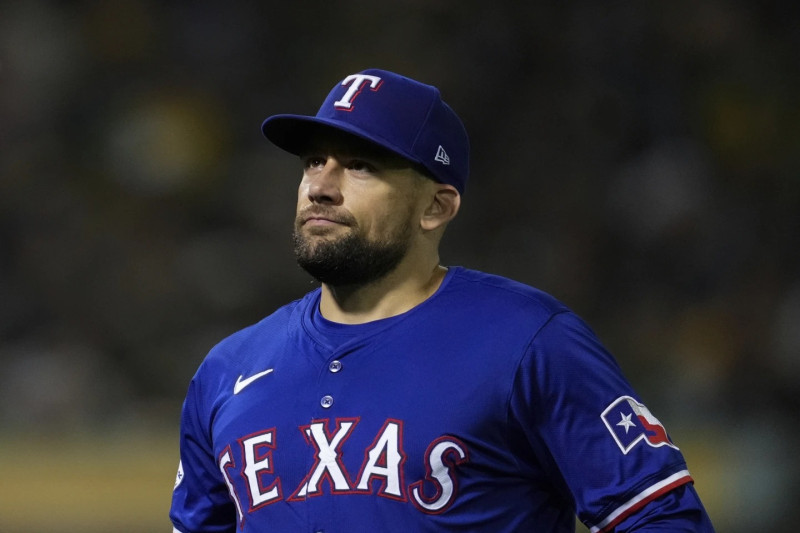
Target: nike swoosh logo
{"type": "Point", "coordinates": [242, 383]}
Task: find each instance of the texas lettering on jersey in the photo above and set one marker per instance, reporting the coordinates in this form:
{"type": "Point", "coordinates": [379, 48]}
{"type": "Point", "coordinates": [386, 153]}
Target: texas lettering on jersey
{"type": "Point", "coordinates": [381, 473]}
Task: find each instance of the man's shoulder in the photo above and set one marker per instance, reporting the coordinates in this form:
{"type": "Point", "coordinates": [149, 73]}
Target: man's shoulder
{"type": "Point", "coordinates": [493, 290]}
{"type": "Point", "coordinates": [248, 350]}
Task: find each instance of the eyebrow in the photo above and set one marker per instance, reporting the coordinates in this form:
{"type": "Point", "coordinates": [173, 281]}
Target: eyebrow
{"type": "Point", "coordinates": [364, 150]}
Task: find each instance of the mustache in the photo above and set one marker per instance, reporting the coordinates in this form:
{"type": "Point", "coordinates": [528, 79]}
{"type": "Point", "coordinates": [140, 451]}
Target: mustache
{"type": "Point", "coordinates": [326, 212]}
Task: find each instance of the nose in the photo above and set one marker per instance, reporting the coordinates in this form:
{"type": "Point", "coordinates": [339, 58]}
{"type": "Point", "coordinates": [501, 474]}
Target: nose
{"type": "Point", "coordinates": [324, 184]}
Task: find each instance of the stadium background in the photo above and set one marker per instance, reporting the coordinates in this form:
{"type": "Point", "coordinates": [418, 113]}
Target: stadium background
{"type": "Point", "coordinates": [639, 160]}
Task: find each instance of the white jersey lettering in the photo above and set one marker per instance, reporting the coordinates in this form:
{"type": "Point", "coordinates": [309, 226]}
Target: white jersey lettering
{"type": "Point", "coordinates": [440, 458]}
{"type": "Point", "coordinates": [328, 463]}
{"type": "Point", "coordinates": [384, 459]}
{"type": "Point", "coordinates": [382, 471]}
{"type": "Point", "coordinates": [226, 463]}
{"type": "Point", "coordinates": [257, 462]}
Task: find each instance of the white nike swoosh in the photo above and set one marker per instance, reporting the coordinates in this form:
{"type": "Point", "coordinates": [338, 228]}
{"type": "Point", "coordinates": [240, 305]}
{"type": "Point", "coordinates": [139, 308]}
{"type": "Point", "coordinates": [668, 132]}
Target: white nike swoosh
{"type": "Point", "coordinates": [242, 383]}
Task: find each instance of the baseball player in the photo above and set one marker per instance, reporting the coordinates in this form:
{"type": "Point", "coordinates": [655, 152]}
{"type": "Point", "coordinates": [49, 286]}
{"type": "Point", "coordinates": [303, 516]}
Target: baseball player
{"type": "Point", "coordinates": [403, 395]}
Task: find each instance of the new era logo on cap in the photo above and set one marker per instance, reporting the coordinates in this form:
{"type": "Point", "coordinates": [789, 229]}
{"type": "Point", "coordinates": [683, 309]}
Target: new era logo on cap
{"type": "Point", "coordinates": [402, 115]}
{"type": "Point", "coordinates": [441, 156]}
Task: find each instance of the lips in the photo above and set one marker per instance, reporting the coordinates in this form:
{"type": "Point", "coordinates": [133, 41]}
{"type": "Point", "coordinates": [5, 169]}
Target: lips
{"type": "Point", "coordinates": [319, 217]}
{"type": "Point", "coordinates": [320, 221]}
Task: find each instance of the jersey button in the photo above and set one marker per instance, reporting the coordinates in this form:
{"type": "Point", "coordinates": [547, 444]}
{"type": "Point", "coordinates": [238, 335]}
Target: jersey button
{"type": "Point", "coordinates": [326, 401]}
{"type": "Point", "coordinates": [335, 366]}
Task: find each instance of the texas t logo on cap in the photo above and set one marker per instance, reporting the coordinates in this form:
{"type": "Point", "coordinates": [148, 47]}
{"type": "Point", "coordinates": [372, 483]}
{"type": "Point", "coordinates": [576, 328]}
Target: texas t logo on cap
{"type": "Point", "coordinates": [397, 113]}
{"type": "Point", "coordinates": [356, 82]}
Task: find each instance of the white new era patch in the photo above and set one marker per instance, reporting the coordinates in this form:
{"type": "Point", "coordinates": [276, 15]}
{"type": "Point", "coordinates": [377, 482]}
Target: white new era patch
{"type": "Point", "coordinates": [441, 156]}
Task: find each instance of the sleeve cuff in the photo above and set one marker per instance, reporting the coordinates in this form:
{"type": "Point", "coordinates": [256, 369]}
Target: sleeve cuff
{"type": "Point", "coordinates": [640, 500]}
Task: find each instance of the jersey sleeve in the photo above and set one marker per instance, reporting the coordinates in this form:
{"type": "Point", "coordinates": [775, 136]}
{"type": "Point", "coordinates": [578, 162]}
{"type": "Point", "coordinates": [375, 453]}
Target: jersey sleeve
{"type": "Point", "coordinates": [200, 499]}
{"type": "Point", "coordinates": [677, 511]}
{"type": "Point", "coordinates": [586, 426]}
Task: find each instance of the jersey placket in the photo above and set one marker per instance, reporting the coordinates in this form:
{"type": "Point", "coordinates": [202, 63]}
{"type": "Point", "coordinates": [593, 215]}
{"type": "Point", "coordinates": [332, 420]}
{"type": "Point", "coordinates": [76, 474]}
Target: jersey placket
{"type": "Point", "coordinates": [326, 435]}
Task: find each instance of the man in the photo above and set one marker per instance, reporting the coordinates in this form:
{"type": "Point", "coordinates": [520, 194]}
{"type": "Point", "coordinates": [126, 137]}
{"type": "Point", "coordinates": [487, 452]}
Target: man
{"type": "Point", "coordinates": [403, 395]}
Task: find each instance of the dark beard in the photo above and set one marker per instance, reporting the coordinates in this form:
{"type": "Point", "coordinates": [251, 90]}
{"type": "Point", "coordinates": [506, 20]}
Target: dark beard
{"type": "Point", "coordinates": [351, 260]}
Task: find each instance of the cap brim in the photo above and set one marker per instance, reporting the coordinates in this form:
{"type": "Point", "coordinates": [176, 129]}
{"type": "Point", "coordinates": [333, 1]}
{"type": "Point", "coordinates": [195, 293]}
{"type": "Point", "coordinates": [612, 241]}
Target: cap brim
{"type": "Point", "coordinates": [294, 133]}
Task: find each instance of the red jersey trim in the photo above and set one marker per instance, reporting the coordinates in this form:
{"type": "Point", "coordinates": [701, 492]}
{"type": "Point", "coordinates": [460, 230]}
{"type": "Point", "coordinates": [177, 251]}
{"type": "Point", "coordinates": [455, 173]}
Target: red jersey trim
{"type": "Point", "coordinates": [640, 500]}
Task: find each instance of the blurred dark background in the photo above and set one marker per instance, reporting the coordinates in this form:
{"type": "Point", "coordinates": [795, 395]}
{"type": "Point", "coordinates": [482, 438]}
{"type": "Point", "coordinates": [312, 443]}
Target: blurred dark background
{"type": "Point", "coordinates": [638, 160]}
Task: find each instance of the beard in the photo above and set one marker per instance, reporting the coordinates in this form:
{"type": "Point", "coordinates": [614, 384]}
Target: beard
{"type": "Point", "coordinates": [353, 259]}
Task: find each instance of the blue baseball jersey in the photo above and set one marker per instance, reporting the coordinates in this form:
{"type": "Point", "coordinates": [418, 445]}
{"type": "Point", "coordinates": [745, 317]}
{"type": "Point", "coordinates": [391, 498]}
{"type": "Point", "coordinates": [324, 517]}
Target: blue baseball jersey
{"type": "Point", "coordinates": [490, 407]}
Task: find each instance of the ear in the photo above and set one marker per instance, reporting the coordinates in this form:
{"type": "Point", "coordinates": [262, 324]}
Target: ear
{"type": "Point", "coordinates": [443, 207]}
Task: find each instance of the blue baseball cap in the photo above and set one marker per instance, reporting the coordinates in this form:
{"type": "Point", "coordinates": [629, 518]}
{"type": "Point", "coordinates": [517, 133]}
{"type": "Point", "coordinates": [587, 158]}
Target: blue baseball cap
{"type": "Point", "coordinates": [402, 115]}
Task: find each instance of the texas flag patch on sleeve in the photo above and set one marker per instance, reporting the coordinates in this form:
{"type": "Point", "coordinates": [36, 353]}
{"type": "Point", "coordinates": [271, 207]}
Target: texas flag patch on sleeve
{"type": "Point", "coordinates": [630, 423]}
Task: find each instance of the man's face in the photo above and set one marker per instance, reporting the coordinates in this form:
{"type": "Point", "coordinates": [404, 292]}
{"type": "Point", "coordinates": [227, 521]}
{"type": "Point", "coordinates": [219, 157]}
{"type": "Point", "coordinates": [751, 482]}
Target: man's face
{"type": "Point", "coordinates": [357, 211]}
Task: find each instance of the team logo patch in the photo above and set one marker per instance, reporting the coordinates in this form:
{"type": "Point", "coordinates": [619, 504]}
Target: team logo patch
{"type": "Point", "coordinates": [630, 422]}
{"type": "Point", "coordinates": [179, 477]}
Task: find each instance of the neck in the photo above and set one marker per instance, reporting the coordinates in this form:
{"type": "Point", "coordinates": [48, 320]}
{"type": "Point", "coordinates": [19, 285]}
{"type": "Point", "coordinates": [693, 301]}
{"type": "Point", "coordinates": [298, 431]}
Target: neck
{"type": "Point", "coordinates": [399, 291]}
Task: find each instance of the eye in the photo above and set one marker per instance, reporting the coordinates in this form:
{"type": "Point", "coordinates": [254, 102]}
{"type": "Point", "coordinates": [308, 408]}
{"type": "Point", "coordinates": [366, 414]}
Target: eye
{"type": "Point", "coordinates": [313, 161]}
{"type": "Point", "coordinates": [359, 165]}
